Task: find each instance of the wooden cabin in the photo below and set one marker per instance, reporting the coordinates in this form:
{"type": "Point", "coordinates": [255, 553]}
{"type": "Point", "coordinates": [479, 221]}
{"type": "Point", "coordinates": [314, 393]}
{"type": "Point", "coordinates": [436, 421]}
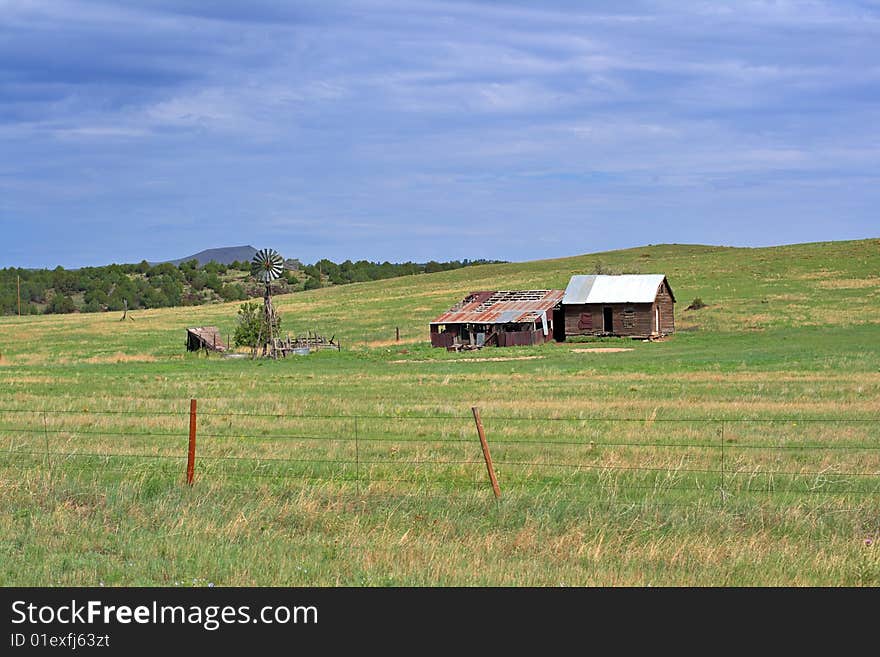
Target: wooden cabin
{"type": "Point", "coordinates": [629, 305]}
{"type": "Point", "coordinates": [503, 318]}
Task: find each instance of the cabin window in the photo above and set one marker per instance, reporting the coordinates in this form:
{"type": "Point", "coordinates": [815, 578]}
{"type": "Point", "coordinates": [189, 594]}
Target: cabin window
{"type": "Point", "coordinates": [629, 318]}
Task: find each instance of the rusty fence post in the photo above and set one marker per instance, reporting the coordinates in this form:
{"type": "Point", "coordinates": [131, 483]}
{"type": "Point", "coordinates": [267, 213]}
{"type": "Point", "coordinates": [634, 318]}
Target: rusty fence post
{"type": "Point", "coordinates": [486, 454]}
{"type": "Point", "coordinates": [191, 459]}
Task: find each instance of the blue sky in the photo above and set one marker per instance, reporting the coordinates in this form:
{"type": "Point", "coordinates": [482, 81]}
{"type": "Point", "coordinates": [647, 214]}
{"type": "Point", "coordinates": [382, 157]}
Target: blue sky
{"type": "Point", "coordinates": [406, 130]}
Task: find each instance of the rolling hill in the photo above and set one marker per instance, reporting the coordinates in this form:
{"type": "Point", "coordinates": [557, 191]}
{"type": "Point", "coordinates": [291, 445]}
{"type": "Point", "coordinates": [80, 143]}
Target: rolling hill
{"type": "Point", "coordinates": [740, 451]}
{"type": "Point", "coordinates": [224, 255]}
{"type": "Point", "coordinates": [746, 290]}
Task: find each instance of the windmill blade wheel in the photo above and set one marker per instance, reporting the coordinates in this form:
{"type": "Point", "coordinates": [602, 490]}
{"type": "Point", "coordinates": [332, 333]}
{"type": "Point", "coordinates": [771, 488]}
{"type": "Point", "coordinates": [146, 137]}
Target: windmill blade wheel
{"type": "Point", "coordinates": [267, 265]}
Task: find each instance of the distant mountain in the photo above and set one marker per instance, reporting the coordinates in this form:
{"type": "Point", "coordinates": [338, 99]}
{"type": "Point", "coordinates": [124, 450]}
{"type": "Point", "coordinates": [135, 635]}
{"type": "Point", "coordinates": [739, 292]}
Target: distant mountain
{"type": "Point", "coordinates": [224, 256]}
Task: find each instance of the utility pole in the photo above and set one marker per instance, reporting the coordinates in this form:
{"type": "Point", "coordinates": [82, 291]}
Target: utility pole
{"type": "Point", "coordinates": [18, 283]}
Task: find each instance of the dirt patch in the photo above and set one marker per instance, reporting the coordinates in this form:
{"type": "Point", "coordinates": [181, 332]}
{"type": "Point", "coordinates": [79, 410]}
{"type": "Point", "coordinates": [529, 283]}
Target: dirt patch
{"type": "Point", "coordinates": [603, 350]}
{"type": "Point", "coordinates": [471, 360]}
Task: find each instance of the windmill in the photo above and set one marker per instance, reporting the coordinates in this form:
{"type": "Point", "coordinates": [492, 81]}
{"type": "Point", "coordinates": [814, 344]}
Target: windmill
{"type": "Point", "coordinates": [266, 266]}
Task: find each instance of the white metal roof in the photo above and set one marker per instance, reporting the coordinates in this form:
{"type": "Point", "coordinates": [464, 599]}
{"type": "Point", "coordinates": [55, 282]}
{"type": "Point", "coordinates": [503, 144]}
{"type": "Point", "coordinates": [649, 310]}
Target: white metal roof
{"type": "Point", "coordinates": [625, 288]}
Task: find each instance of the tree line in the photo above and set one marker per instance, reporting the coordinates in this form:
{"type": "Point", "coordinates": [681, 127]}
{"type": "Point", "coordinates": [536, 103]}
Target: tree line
{"type": "Point", "coordinates": [146, 285]}
{"type": "Point", "coordinates": [324, 271]}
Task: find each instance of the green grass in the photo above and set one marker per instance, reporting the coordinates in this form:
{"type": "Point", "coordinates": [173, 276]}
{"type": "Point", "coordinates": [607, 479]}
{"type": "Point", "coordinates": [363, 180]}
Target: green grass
{"type": "Point", "coordinates": [785, 360]}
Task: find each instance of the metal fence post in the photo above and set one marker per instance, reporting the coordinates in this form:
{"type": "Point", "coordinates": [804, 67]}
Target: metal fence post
{"type": "Point", "coordinates": [723, 496]}
{"type": "Point", "coordinates": [486, 455]}
{"type": "Point", "coordinates": [191, 459]}
{"type": "Point", "coordinates": [47, 462]}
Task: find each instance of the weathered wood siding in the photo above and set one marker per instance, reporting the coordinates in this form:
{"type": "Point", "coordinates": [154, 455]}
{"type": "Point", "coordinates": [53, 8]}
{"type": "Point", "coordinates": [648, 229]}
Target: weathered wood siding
{"type": "Point", "coordinates": [520, 338]}
{"type": "Point", "coordinates": [579, 320]}
{"type": "Point", "coordinates": [442, 339]}
{"type": "Point", "coordinates": [629, 319]}
{"type": "Point", "coordinates": [461, 333]}
{"type": "Point", "coordinates": [667, 310]}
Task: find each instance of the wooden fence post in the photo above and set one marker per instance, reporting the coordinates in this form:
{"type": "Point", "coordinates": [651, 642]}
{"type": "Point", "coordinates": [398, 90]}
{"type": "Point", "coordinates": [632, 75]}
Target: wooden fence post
{"type": "Point", "coordinates": [191, 460]}
{"type": "Point", "coordinates": [486, 454]}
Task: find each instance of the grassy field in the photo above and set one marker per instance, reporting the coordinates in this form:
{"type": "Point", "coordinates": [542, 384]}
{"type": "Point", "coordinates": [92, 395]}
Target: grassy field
{"type": "Point", "coordinates": [744, 450]}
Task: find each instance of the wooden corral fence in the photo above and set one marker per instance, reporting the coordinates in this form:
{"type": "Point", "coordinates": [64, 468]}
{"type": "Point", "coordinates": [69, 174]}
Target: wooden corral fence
{"type": "Point", "coordinates": [303, 344]}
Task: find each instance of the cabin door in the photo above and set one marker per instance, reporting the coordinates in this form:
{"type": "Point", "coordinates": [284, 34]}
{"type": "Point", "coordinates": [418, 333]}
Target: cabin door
{"type": "Point", "coordinates": [559, 325]}
{"type": "Point", "coordinates": [657, 320]}
{"type": "Point", "coordinates": [608, 316]}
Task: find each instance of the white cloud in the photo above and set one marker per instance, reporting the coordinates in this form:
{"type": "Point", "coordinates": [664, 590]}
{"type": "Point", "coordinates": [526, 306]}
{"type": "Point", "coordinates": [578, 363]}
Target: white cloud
{"type": "Point", "coordinates": [386, 113]}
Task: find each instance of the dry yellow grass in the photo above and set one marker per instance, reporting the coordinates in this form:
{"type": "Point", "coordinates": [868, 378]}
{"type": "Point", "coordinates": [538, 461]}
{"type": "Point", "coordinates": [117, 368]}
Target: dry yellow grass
{"type": "Point", "coordinates": [849, 283]}
{"type": "Point", "coordinates": [389, 343]}
{"type": "Point", "coordinates": [601, 350]}
{"type": "Point", "coordinates": [820, 275]}
{"type": "Point", "coordinates": [576, 508]}
{"type": "Point", "coordinates": [487, 359]}
{"type": "Point", "coordinates": [120, 357]}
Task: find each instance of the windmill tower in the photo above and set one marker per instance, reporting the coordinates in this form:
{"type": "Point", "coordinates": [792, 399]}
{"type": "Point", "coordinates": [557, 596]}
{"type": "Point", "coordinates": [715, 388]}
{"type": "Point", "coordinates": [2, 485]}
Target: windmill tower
{"type": "Point", "coordinates": [266, 266]}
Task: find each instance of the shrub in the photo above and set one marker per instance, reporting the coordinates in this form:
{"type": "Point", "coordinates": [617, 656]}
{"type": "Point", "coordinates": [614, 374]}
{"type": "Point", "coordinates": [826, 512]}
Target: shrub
{"type": "Point", "coordinates": [252, 329]}
{"type": "Point", "coordinates": [61, 303]}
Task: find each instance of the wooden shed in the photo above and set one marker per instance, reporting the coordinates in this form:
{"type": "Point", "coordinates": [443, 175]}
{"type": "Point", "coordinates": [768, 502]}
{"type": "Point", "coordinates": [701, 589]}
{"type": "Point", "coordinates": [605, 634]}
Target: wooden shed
{"type": "Point", "coordinates": [204, 337]}
{"type": "Point", "coordinates": [503, 318]}
{"type": "Point", "coordinates": [629, 305]}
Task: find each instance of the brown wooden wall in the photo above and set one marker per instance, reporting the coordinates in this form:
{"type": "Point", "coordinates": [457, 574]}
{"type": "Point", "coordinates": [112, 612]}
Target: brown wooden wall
{"type": "Point", "coordinates": [505, 338]}
{"type": "Point", "coordinates": [667, 310]}
{"type": "Point", "coordinates": [589, 319]}
{"type": "Point", "coordinates": [629, 319]}
{"type": "Point", "coordinates": [521, 338]}
{"type": "Point", "coordinates": [442, 339]}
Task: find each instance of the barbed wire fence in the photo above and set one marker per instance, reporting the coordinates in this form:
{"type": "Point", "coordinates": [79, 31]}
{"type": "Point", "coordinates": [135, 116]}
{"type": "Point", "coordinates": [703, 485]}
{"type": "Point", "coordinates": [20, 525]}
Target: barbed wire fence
{"type": "Point", "coordinates": [670, 461]}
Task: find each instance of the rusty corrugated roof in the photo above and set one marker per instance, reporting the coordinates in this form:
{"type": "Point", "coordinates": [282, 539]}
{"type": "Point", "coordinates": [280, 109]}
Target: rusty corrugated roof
{"type": "Point", "coordinates": [501, 307]}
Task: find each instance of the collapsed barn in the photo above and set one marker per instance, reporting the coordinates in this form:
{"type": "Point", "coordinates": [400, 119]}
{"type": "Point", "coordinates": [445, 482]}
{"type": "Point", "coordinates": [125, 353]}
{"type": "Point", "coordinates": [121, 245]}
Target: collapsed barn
{"type": "Point", "coordinates": [629, 305]}
{"type": "Point", "coordinates": [503, 318]}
